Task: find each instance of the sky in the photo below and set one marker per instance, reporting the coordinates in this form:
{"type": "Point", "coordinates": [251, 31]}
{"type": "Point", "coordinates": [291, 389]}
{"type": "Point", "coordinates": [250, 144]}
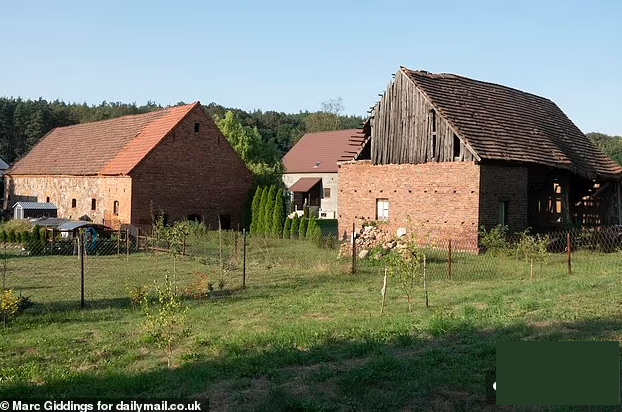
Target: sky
{"type": "Point", "coordinates": [291, 55]}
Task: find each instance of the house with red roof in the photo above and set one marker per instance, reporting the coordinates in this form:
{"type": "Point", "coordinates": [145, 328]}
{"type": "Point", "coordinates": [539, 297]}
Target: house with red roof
{"type": "Point", "coordinates": [117, 172]}
{"type": "Point", "coordinates": [311, 169]}
{"type": "Point", "coordinates": [443, 155]}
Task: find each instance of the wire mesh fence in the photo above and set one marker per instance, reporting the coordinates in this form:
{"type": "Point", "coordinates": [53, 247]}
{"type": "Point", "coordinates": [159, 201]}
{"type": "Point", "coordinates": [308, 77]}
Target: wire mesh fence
{"type": "Point", "coordinates": [103, 268]}
{"type": "Point", "coordinates": [498, 255]}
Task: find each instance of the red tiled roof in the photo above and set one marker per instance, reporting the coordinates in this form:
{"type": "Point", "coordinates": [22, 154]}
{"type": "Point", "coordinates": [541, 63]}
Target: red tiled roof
{"type": "Point", "coordinates": [319, 152]}
{"type": "Point", "coordinates": [305, 184]}
{"type": "Point", "coordinates": [109, 147]}
{"type": "Point", "coordinates": [501, 123]}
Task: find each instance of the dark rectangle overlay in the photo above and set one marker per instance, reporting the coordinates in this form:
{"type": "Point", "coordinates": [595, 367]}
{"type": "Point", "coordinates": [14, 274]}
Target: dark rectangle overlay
{"type": "Point", "coordinates": [558, 373]}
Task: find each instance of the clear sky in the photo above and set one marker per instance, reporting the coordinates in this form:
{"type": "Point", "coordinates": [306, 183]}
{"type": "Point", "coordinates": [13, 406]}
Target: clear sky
{"type": "Point", "coordinates": [292, 55]}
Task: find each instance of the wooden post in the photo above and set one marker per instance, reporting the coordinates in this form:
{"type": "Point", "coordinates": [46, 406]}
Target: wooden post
{"type": "Point", "coordinates": [384, 291]}
{"type": "Point", "coordinates": [531, 267]}
{"type": "Point", "coordinates": [568, 248]}
{"type": "Point", "coordinates": [243, 258]}
{"type": "Point", "coordinates": [183, 246]}
{"type": "Point", "coordinates": [449, 260]}
{"type": "Point", "coordinates": [425, 283]}
{"type": "Point", "coordinates": [81, 247]}
{"type": "Point", "coordinates": [235, 245]}
{"type": "Point", "coordinates": [353, 249]}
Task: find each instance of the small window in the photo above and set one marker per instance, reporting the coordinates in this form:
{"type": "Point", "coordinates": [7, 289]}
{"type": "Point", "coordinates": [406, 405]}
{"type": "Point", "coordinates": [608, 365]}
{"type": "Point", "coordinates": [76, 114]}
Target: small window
{"type": "Point", "coordinates": [73, 203]}
{"type": "Point", "coordinates": [115, 208]}
{"type": "Point", "coordinates": [93, 204]}
{"type": "Point", "coordinates": [433, 120]}
{"type": "Point", "coordinates": [326, 193]}
{"type": "Point", "coordinates": [47, 199]}
{"type": "Point", "coordinates": [457, 148]}
{"type": "Point", "coordinates": [196, 127]}
{"type": "Point", "coordinates": [382, 209]}
{"type": "Point", "coordinates": [433, 147]}
{"type": "Point", "coordinates": [503, 213]}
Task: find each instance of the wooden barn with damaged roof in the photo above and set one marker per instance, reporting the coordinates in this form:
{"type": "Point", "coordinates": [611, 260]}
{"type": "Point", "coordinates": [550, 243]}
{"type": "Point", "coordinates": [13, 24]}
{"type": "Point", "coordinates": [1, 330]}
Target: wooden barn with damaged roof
{"type": "Point", "coordinates": [444, 155]}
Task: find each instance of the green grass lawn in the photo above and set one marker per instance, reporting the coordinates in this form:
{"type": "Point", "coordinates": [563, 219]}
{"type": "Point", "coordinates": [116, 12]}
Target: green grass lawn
{"type": "Point", "coordinates": [304, 335]}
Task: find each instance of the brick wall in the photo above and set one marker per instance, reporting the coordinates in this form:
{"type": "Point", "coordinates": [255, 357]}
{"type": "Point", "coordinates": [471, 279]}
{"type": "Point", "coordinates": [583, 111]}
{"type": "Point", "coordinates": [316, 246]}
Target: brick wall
{"type": "Point", "coordinates": [192, 174]}
{"type": "Point", "coordinates": [503, 184]}
{"type": "Point", "coordinates": [62, 189]}
{"type": "Point", "coordinates": [435, 200]}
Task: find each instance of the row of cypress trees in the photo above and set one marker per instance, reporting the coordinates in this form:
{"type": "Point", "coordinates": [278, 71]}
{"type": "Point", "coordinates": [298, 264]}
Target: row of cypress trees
{"type": "Point", "coordinates": [268, 218]}
{"type": "Point", "coordinates": [268, 212]}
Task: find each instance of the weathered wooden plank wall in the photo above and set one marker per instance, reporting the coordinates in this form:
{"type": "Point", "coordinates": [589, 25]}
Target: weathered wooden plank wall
{"type": "Point", "coordinates": [406, 129]}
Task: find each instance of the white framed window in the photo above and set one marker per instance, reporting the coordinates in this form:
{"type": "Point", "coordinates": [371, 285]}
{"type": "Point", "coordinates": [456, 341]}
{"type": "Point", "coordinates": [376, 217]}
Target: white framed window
{"type": "Point", "coordinates": [382, 209]}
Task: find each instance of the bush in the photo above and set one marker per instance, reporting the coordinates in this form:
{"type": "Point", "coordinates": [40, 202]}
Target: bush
{"type": "Point", "coordinates": [331, 241]}
{"type": "Point", "coordinates": [302, 229]}
{"type": "Point", "coordinates": [316, 236]}
{"type": "Point", "coordinates": [260, 225]}
{"type": "Point", "coordinates": [255, 209]}
{"type": "Point", "coordinates": [311, 228]}
{"type": "Point", "coordinates": [137, 294]}
{"type": "Point", "coordinates": [287, 229]}
{"type": "Point", "coordinates": [278, 214]}
{"type": "Point", "coordinates": [12, 306]}
{"type": "Point", "coordinates": [11, 236]}
{"type": "Point", "coordinates": [269, 212]}
{"type": "Point", "coordinates": [2, 236]}
{"type": "Point", "coordinates": [305, 211]}
{"type": "Point", "coordinates": [198, 287]}
{"type": "Point", "coordinates": [293, 234]}
{"type": "Point", "coordinates": [495, 240]}
{"type": "Point", "coordinates": [24, 237]}
{"type": "Point", "coordinates": [42, 233]}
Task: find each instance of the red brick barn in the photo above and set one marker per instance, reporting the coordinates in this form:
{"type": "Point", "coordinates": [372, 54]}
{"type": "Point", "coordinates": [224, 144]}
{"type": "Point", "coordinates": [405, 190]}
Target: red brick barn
{"type": "Point", "coordinates": [115, 171]}
{"type": "Point", "coordinates": [444, 155]}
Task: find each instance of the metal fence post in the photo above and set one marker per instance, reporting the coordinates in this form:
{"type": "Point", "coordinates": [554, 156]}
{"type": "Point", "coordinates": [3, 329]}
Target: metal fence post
{"type": "Point", "coordinates": [568, 247]}
{"type": "Point", "coordinates": [353, 249]}
{"type": "Point", "coordinates": [243, 258]}
{"type": "Point", "coordinates": [81, 247]}
{"type": "Point", "coordinates": [127, 244]}
{"type": "Point", "coordinates": [449, 260]}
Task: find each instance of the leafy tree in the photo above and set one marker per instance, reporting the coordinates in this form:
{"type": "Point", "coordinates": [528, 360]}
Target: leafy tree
{"type": "Point", "coordinates": [269, 211]}
{"type": "Point", "coordinates": [610, 145]}
{"type": "Point", "coordinates": [302, 230]}
{"type": "Point", "coordinates": [328, 118]}
{"type": "Point", "coordinates": [262, 212]}
{"type": "Point", "coordinates": [278, 215]}
{"type": "Point", "coordinates": [295, 227]}
{"type": "Point", "coordinates": [255, 209]}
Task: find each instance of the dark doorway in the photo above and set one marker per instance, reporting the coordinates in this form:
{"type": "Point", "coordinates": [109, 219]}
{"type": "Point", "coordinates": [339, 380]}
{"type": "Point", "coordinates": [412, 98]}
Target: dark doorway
{"type": "Point", "coordinates": [195, 218]}
{"type": "Point", "coordinates": [225, 221]}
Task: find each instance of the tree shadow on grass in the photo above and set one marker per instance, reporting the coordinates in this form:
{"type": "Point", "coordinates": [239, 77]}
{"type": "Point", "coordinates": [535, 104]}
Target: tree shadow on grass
{"type": "Point", "coordinates": [441, 369]}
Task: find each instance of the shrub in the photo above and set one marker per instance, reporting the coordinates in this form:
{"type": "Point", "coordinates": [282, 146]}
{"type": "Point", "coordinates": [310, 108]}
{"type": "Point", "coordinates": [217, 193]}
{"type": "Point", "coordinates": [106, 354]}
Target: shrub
{"type": "Point", "coordinates": [331, 241]}
{"type": "Point", "coordinates": [255, 209]}
{"type": "Point", "coordinates": [260, 226]}
{"type": "Point", "coordinates": [137, 294]}
{"type": "Point", "coordinates": [287, 229]}
{"type": "Point", "coordinates": [2, 236]}
{"type": "Point", "coordinates": [311, 225]}
{"type": "Point", "coordinates": [199, 286]}
{"type": "Point", "coordinates": [302, 229]}
{"type": "Point", "coordinates": [316, 236]}
{"type": "Point", "coordinates": [533, 247]}
{"type": "Point", "coordinates": [165, 319]}
{"type": "Point", "coordinates": [12, 306]}
{"type": "Point", "coordinates": [11, 236]}
{"type": "Point", "coordinates": [269, 212]}
{"type": "Point", "coordinates": [404, 266]}
{"type": "Point", "coordinates": [42, 233]}
{"type": "Point", "coordinates": [24, 237]}
{"type": "Point", "coordinates": [278, 215]}
{"type": "Point", "coordinates": [292, 206]}
{"type": "Point", "coordinates": [293, 234]}
{"type": "Point", "coordinates": [495, 240]}
{"type": "Point", "coordinates": [305, 211]}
